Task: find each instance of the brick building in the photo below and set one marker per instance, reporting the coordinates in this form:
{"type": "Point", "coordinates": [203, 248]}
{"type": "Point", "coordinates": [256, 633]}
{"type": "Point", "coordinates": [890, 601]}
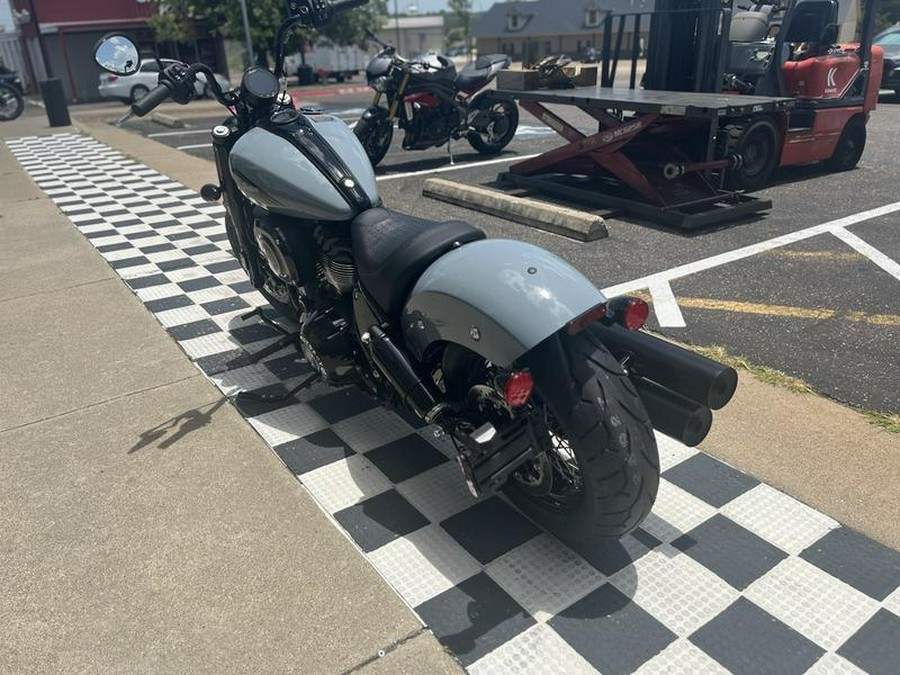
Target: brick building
{"type": "Point", "coordinates": [60, 36]}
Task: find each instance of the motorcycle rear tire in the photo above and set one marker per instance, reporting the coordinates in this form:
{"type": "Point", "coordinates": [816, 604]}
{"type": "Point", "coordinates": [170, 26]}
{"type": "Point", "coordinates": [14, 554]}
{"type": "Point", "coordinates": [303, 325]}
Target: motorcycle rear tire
{"type": "Point", "coordinates": [510, 118]}
{"type": "Point", "coordinates": [595, 408]}
{"type": "Point", "coordinates": [13, 103]}
{"type": "Point", "coordinates": [375, 134]}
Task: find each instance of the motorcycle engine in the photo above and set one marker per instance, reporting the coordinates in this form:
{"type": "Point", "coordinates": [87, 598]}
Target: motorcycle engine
{"type": "Point", "coordinates": [328, 345]}
{"type": "Point", "coordinates": [335, 265]}
{"type": "Point", "coordinates": [428, 126]}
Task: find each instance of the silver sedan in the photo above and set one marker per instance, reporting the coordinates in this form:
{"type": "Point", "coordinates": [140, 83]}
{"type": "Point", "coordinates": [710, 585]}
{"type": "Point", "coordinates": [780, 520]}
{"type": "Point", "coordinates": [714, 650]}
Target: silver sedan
{"type": "Point", "coordinates": [131, 88]}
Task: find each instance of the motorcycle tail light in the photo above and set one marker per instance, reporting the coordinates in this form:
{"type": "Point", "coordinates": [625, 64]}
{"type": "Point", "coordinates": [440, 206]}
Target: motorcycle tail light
{"type": "Point", "coordinates": [579, 323]}
{"type": "Point", "coordinates": [629, 311]}
{"type": "Point", "coordinates": [518, 388]}
{"type": "Point", "coordinates": [112, 78]}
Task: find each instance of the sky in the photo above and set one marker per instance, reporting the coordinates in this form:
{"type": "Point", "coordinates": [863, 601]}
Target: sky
{"type": "Point", "coordinates": [434, 5]}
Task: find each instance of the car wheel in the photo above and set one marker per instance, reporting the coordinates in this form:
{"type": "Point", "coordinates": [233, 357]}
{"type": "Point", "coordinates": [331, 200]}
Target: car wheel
{"type": "Point", "coordinates": [138, 92]}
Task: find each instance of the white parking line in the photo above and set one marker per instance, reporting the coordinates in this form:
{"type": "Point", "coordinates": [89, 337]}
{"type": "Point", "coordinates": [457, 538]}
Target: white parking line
{"type": "Point", "coordinates": [184, 132]}
{"type": "Point", "coordinates": [668, 313]}
{"type": "Point", "coordinates": [658, 281]}
{"type": "Point", "coordinates": [195, 146]}
{"type": "Point", "coordinates": [455, 167]}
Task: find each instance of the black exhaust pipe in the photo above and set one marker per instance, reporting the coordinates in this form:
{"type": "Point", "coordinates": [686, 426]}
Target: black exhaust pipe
{"type": "Point", "coordinates": [693, 376]}
{"type": "Point", "coordinates": [673, 414]}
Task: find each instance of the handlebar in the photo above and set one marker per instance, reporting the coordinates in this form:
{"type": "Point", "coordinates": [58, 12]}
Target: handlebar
{"type": "Point", "coordinates": [152, 99]}
{"type": "Point", "coordinates": [311, 13]}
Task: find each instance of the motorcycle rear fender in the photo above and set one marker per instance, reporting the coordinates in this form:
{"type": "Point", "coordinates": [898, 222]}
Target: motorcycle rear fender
{"type": "Point", "coordinates": [497, 297]}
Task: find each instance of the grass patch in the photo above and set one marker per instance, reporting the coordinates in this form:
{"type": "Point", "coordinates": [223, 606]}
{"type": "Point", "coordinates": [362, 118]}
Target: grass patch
{"type": "Point", "coordinates": [887, 421]}
{"type": "Point", "coordinates": [764, 373]}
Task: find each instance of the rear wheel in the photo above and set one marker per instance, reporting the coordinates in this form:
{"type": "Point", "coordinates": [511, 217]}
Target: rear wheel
{"type": "Point", "coordinates": [757, 144]}
{"type": "Point", "coordinates": [375, 134]}
{"type": "Point", "coordinates": [11, 103]}
{"type": "Point", "coordinates": [600, 475]}
{"type": "Point", "coordinates": [850, 146]}
{"type": "Point", "coordinates": [494, 125]}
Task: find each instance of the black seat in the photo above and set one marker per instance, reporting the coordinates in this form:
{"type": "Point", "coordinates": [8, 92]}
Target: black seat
{"type": "Point", "coordinates": [392, 250]}
{"type": "Point", "coordinates": [477, 73]}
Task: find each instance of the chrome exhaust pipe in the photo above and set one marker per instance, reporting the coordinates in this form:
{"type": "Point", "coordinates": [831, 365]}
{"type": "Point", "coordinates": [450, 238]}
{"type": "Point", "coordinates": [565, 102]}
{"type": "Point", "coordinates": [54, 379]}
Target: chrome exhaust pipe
{"type": "Point", "coordinates": [695, 377]}
{"type": "Point", "coordinates": [673, 414]}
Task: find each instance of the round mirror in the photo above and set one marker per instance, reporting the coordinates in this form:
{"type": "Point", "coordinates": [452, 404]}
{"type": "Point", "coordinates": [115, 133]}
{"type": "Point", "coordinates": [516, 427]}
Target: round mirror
{"type": "Point", "coordinates": [117, 54]}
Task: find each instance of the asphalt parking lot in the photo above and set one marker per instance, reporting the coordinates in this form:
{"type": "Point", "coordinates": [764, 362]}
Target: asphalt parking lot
{"type": "Point", "coordinates": [820, 308]}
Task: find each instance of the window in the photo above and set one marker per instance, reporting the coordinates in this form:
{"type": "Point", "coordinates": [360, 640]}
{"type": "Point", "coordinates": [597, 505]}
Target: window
{"type": "Point", "coordinates": [592, 17]}
{"type": "Point", "coordinates": [889, 39]}
{"type": "Point", "coordinates": [515, 21]}
{"type": "Point", "coordinates": [149, 67]}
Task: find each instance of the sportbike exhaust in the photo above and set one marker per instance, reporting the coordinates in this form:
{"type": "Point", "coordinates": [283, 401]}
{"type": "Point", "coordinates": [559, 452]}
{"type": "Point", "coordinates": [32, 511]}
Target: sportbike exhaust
{"type": "Point", "coordinates": [694, 377]}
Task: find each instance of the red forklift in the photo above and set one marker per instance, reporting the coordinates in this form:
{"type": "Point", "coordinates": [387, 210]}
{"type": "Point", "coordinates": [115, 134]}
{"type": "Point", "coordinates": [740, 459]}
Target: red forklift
{"type": "Point", "coordinates": [716, 113]}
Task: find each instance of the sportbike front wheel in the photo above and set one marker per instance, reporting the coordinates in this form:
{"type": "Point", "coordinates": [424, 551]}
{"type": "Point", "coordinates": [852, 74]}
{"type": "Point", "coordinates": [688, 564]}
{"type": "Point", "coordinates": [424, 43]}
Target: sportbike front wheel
{"type": "Point", "coordinates": [599, 475]}
{"type": "Point", "coordinates": [11, 103]}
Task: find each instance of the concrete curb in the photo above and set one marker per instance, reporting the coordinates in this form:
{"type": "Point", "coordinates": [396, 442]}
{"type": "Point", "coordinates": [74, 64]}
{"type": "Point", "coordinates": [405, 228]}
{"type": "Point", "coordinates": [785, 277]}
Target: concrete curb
{"type": "Point", "coordinates": [167, 120]}
{"type": "Point", "coordinates": [568, 222]}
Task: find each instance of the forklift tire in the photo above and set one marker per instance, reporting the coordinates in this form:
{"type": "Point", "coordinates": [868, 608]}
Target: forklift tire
{"type": "Point", "coordinates": [757, 144]}
{"type": "Point", "coordinates": [849, 147]}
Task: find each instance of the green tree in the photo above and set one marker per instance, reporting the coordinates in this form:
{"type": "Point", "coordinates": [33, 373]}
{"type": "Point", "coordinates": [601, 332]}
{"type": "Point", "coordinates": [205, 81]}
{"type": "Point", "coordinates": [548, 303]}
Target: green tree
{"type": "Point", "coordinates": [175, 18]}
{"type": "Point", "coordinates": [461, 11]}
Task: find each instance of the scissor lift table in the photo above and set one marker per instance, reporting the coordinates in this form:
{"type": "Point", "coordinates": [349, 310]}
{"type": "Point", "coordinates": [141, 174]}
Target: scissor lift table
{"type": "Point", "coordinates": [654, 154]}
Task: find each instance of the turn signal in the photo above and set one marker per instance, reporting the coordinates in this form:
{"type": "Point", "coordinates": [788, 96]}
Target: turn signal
{"type": "Point", "coordinates": [629, 311]}
{"type": "Point", "coordinates": [517, 389]}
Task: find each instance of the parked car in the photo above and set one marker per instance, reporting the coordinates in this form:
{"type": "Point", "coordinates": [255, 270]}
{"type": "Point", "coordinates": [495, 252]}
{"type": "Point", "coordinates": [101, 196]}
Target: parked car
{"type": "Point", "coordinates": [889, 41]}
{"type": "Point", "coordinates": [322, 62]}
{"type": "Point", "coordinates": [131, 88]}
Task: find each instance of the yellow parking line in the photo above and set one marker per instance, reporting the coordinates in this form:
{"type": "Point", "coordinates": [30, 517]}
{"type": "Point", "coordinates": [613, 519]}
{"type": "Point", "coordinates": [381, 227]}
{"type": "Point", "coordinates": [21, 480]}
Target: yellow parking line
{"type": "Point", "coordinates": [836, 256]}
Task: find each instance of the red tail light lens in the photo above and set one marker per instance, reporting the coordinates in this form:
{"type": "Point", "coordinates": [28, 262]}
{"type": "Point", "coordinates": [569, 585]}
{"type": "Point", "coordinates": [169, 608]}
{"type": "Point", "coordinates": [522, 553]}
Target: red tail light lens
{"type": "Point", "coordinates": [579, 323]}
{"type": "Point", "coordinates": [518, 388]}
{"type": "Point", "coordinates": [630, 312]}
{"type": "Point", "coordinates": [112, 78]}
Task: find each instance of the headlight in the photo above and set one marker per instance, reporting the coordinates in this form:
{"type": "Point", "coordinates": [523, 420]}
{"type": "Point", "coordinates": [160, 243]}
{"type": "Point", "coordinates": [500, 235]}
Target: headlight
{"type": "Point", "coordinates": [380, 83]}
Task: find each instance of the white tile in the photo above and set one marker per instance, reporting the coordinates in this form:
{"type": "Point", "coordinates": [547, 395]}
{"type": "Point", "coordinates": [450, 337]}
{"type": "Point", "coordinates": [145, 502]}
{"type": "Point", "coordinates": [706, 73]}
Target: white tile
{"type": "Point", "coordinates": [537, 651]}
{"type": "Point", "coordinates": [207, 345]}
{"type": "Point", "coordinates": [181, 315]}
{"type": "Point", "coordinates": [675, 512]}
{"type": "Point", "coordinates": [811, 601]}
{"type": "Point", "coordinates": [544, 576]}
{"type": "Point", "coordinates": [158, 292]}
{"type": "Point", "coordinates": [187, 274]}
{"type": "Point", "coordinates": [439, 492]}
{"type": "Point", "coordinates": [682, 658]}
{"type": "Point", "coordinates": [675, 589]}
{"type": "Point", "coordinates": [424, 564]}
{"type": "Point", "coordinates": [892, 602]}
{"type": "Point", "coordinates": [248, 378]}
{"type": "Point", "coordinates": [138, 271]}
{"type": "Point", "coordinates": [288, 423]}
{"type": "Point", "coordinates": [215, 293]}
{"type": "Point", "coordinates": [344, 483]}
{"type": "Point", "coordinates": [778, 518]}
{"type": "Point", "coordinates": [372, 429]}
{"type": "Point", "coordinates": [671, 452]}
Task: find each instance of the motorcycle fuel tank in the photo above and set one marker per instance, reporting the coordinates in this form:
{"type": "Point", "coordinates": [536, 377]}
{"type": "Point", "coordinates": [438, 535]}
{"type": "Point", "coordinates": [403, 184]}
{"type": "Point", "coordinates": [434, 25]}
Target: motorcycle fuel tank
{"type": "Point", "coordinates": [310, 167]}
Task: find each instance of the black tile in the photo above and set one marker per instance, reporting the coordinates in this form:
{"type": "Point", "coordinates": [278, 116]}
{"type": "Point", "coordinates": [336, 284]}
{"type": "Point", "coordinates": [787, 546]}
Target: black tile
{"type": "Point", "coordinates": [171, 265]}
{"type": "Point", "coordinates": [201, 249]}
{"type": "Point", "coordinates": [855, 559]}
{"type": "Point", "coordinates": [164, 304]}
{"type": "Point", "coordinates": [612, 555]}
{"type": "Point", "coordinates": [224, 266]}
{"type": "Point", "coordinates": [253, 333]}
{"type": "Point", "coordinates": [710, 480]}
{"type": "Point", "coordinates": [91, 221]}
{"type": "Point", "coordinates": [226, 305]}
{"type": "Point", "coordinates": [251, 406]}
{"type": "Point", "coordinates": [489, 529]}
{"type": "Point", "coordinates": [176, 236]}
{"type": "Point", "coordinates": [646, 538]}
{"type": "Point", "coordinates": [204, 225]}
{"type": "Point", "coordinates": [128, 222]}
{"type": "Point", "coordinates": [340, 405]}
{"type": "Point", "coordinates": [217, 236]}
{"type": "Point", "coordinates": [98, 235]}
{"type": "Point", "coordinates": [748, 641]}
{"type": "Point", "coordinates": [218, 363]}
{"type": "Point", "coordinates": [143, 234]}
{"type": "Point", "coordinates": [406, 457]}
{"type": "Point", "coordinates": [286, 367]}
{"type": "Point", "coordinates": [194, 329]}
{"type": "Point", "coordinates": [115, 247]}
{"type": "Point", "coordinates": [148, 281]}
{"type": "Point", "coordinates": [314, 451]}
{"type": "Point", "coordinates": [731, 551]}
{"type": "Point", "coordinates": [380, 519]}
{"type": "Point", "coordinates": [613, 633]}
{"type": "Point", "coordinates": [199, 284]}
{"type": "Point", "coordinates": [156, 248]}
{"type": "Point", "coordinates": [242, 287]}
{"type": "Point", "coordinates": [128, 262]}
{"type": "Point", "coordinates": [474, 618]}
{"type": "Point", "coordinates": [876, 646]}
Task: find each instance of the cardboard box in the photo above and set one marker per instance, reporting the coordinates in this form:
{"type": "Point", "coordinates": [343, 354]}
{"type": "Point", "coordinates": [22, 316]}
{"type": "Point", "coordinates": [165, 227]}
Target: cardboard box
{"type": "Point", "coordinates": [583, 76]}
{"type": "Point", "coordinates": [518, 79]}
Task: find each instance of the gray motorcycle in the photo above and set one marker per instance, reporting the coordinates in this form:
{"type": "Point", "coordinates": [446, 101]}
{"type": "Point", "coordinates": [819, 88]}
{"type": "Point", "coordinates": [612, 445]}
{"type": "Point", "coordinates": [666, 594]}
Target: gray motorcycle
{"type": "Point", "coordinates": [542, 383]}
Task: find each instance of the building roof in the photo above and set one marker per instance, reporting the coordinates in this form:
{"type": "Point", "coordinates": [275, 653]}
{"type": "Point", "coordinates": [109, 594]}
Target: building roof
{"type": "Point", "coordinates": [411, 22]}
{"type": "Point", "coordinates": [551, 17]}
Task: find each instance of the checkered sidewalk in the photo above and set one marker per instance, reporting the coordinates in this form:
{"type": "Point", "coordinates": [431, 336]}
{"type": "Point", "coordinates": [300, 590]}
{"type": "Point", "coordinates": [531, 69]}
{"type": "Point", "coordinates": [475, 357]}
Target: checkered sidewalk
{"type": "Point", "coordinates": [726, 575]}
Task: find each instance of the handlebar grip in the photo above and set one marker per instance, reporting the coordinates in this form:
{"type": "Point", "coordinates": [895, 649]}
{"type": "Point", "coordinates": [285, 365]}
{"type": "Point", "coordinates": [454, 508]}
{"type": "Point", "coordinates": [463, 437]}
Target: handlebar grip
{"type": "Point", "coordinates": [151, 100]}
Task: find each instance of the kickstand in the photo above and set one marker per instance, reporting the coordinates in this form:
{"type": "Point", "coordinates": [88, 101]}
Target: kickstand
{"type": "Point", "coordinates": [450, 150]}
{"type": "Point", "coordinates": [277, 398]}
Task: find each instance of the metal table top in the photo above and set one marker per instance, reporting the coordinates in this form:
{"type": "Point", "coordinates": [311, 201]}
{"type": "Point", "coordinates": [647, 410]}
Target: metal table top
{"type": "Point", "coordinates": [682, 103]}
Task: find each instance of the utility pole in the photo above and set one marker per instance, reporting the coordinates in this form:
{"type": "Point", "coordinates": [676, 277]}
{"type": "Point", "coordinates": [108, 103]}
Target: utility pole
{"type": "Point", "coordinates": [247, 32]}
{"type": "Point", "coordinates": [397, 20]}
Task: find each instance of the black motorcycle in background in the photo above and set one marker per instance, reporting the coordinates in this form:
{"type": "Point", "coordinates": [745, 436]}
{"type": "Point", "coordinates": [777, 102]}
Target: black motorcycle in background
{"type": "Point", "coordinates": [12, 102]}
{"type": "Point", "coordinates": [432, 103]}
